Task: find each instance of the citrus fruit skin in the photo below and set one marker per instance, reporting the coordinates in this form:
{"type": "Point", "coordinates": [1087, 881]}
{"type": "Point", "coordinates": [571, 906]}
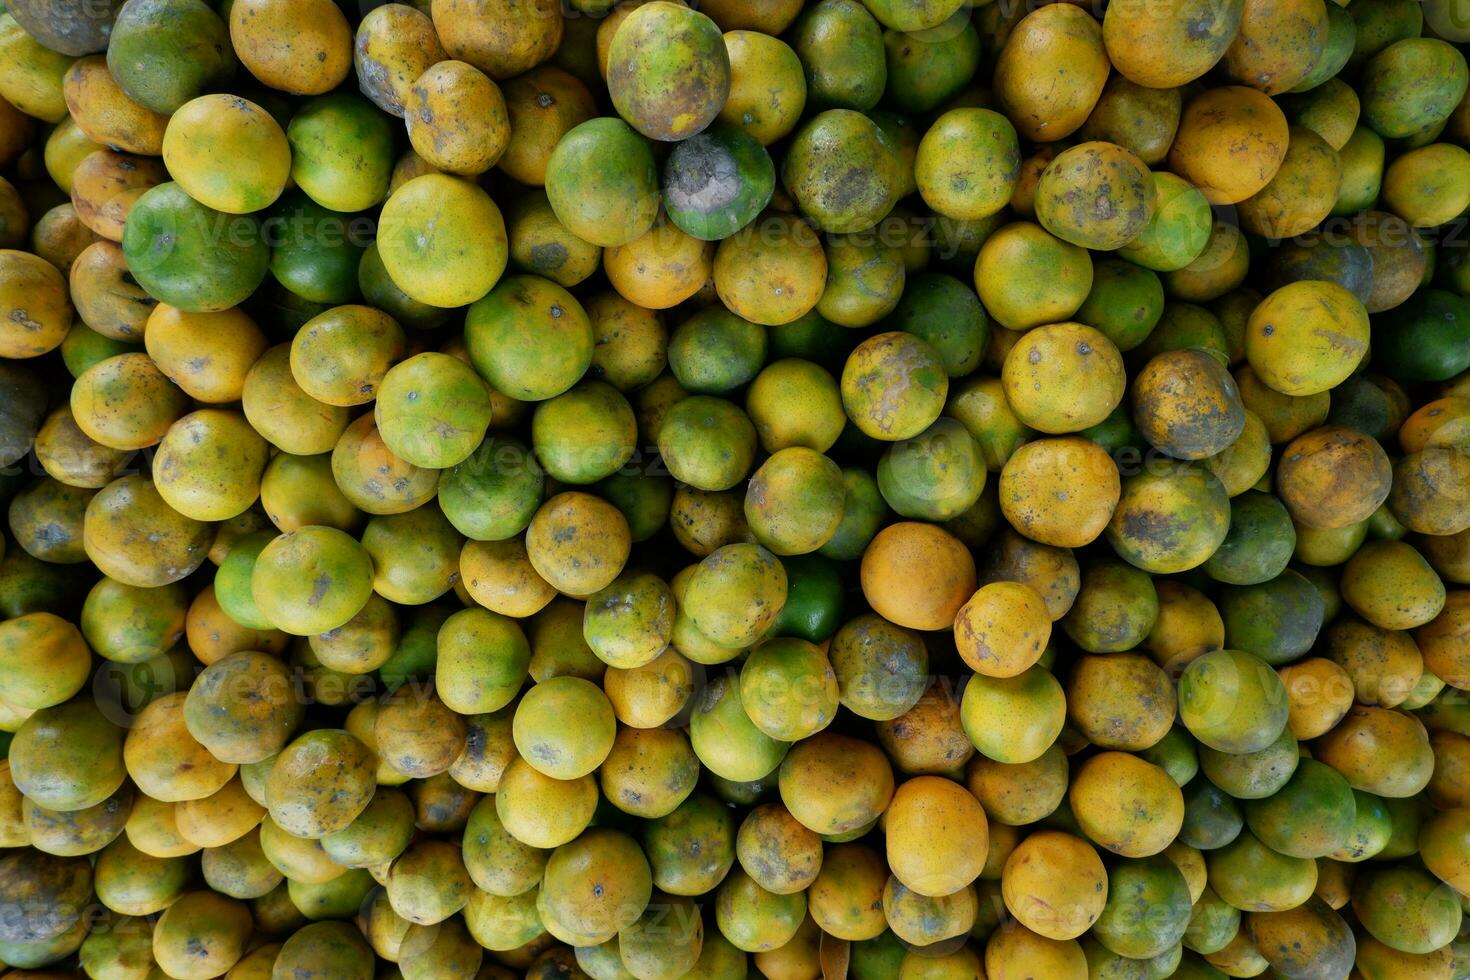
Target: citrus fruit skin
{"type": "Point", "coordinates": [457, 119]}
{"type": "Point", "coordinates": [715, 352]}
{"type": "Point", "coordinates": [544, 104]}
{"type": "Point", "coordinates": [835, 143]}
{"type": "Point", "coordinates": [1154, 883]}
{"type": "Point", "coordinates": [1302, 192]}
{"type": "Point", "coordinates": [814, 598]}
{"type": "Point", "coordinates": [1095, 172]}
{"type": "Point", "coordinates": [1197, 518]}
{"type": "Point", "coordinates": [668, 71]}
{"type": "Point", "coordinates": [767, 679]}
{"type": "Point", "coordinates": [602, 182]}
{"type": "Point", "coordinates": [191, 256]}
{"type": "Point", "coordinates": [1159, 50]}
{"type": "Point", "coordinates": [134, 536]}
{"type": "Point", "coordinates": [1425, 342]}
{"type": "Point", "coordinates": [1333, 477]}
{"type": "Point", "coordinates": [768, 85]}
{"type": "Point", "coordinates": [1027, 277]}
{"type": "Point", "coordinates": [1074, 472]}
{"type": "Point", "coordinates": [1232, 701]}
{"type": "Point", "coordinates": [893, 386]}
{"type": "Point", "coordinates": [31, 642]}
{"type": "Point", "coordinates": [707, 443]}
{"type": "Point", "coordinates": [316, 263]}
{"type": "Point", "coordinates": [1187, 405]}
{"type": "Point", "coordinates": [197, 145]}
{"type": "Point", "coordinates": [1063, 377]}
{"type": "Point", "coordinates": [1050, 74]}
{"type": "Point", "coordinates": [736, 594]}
{"type": "Point", "coordinates": [1286, 323]}
{"type": "Point", "coordinates": [551, 748]}
{"type": "Point", "coordinates": [341, 152]}
{"type": "Point", "coordinates": [750, 487]}
{"type": "Point", "coordinates": [462, 260]}
{"type": "Point", "coordinates": [210, 485]}
{"type": "Point", "coordinates": [312, 580]}
{"type": "Point", "coordinates": [968, 163]}
{"type": "Point", "coordinates": [432, 410]}
{"type": "Point", "coordinates": [529, 338]}
{"type": "Point", "coordinates": [493, 493]}
{"type": "Point", "coordinates": [1404, 85]}
{"type": "Point", "coordinates": [698, 189]}
{"type": "Point", "coordinates": [305, 50]}
{"type": "Point", "coordinates": [1231, 142]}
{"type": "Point", "coordinates": [39, 312]}
{"type": "Point", "coordinates": [793, 502]}
{"type": "Point", "coordinates": [1179, 229]}
{"type": "Point", "coordinates": [917, 575]}
{"type": "Point", "coordinates": [165, 52]}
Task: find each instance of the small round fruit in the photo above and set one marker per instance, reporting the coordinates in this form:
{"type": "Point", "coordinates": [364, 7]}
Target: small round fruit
{"type": "Point", "coordinates": [312, 580]}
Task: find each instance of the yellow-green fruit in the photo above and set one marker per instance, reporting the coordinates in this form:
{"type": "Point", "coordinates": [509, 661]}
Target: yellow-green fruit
{"type": "Point", "coordinates": [205, 142]}
{"type": "Point", "coordinates": [243, 707]}
{"type": "Point", "coordinates": [629, 623]}
{"type": "Point", "coordinates": [936, 835]}
{"type": "Point", "coordinates": [1013, 719]}
{"type": "Point", "coordinates": [545, 738]}
{"type": "Point", "coordinates": [893, 386]}
{"type": "Point", "coordinates": [788, 689]}
{"type": "Point", "coordinates": [312, 580]}
{"type": "Point", "coordinates": [835, 784]}
{"type": "Point", "coordinates": [794, 501]}
{"type": "Point", "coordinates": [540, 811]}
{"type": "Point", "coordinates": [1063, 377]}
{"type": "Point", "coordinates": [649, 772]}
{"type": "Point", "coordinates": [1027, 277]}
{"type": "Point", "coordinates": [466, 252]}
{"type": "Point", "coordinates": [1126, 805]}
{"type": "Point", "coordinates": [209, 464]}
{"type": "Point", "coordinates": [594, 887]}
{"type": "Point", "coordinates": [45, 658]}
{"type": "Point", "coordinates": [968, 163]}
{"type": "Point", "coordinates": [482, 661]}
{"type": "Point", "coordinates": [579, 543]}
{"type": "Point", "coordinates": [320, 783]}
{"type": "Point", "coordinates": [1171, 517]}
{"type": "Point", "coordinates": [1232, 701]}
{"type": "Point", "coordinates": [201, 935]}
{"type": "Point", "coordinates": [432, 410]}
{"type": "Point", "coordinates": [726, 740]}
{"type": "Point", "coordinates": [736, 594]}
{"type": "Point", "coordinates": [428, 883]}
{"type": "Point", "coordinates": [1054, 884]}
{"type": "Point", "coordinates": [44, 762]}
{"type": "Point", "coordinates": [135, 537]}
{"type": "Point", "coordinates": [33, 299]}
{"type": "Point", "coordinates": [1097, 195]}
{"type": "Point", "coordinates": [456, 118]}
{"type": "Point", "coordinates": [1307, 337]}
{"type": "Point", "coordinates": [795, 403]}
{"type": "Point", "coordinates": [667, 71]}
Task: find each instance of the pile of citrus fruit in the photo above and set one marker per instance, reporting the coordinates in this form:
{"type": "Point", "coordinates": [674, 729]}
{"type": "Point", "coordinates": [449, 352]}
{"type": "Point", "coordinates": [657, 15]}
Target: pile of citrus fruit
{"type": "Point", "coordinates": [919, 489]}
